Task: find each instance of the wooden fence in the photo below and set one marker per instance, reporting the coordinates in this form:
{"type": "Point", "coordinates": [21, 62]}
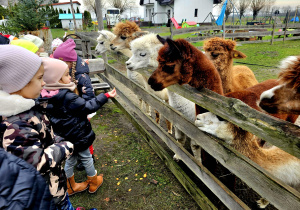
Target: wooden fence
{"type": "Point", "coordinates": [257, 31]}
{"type": "Point", "coordinates": [279, 133]}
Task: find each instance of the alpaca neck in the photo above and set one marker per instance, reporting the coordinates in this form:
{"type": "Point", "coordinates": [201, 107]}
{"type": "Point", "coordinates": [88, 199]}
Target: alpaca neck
{"type": "Point", "coordinates": [226, 76]}
{"type": "Point", "coordinates": [204, 73]}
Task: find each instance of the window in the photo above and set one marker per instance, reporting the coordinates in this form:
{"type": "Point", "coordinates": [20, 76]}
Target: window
{"type": "Point", "coordinates": [196, 13]}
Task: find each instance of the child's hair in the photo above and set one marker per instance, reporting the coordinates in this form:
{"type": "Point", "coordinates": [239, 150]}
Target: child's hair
{"type": "Point", "coordinates": [73, 72]}
{"type": "Point", "coordinates": [17, 67]}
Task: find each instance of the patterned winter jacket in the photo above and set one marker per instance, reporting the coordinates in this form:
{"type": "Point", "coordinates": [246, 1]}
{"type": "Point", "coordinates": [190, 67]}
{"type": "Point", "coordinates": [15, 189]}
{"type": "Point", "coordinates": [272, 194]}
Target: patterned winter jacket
{"type": "Point", "coordinates": [26, 133]}
{"type": "Point", "coordinates": [83, 80]}
{"type": "Point", "coordinates": [67, 113]}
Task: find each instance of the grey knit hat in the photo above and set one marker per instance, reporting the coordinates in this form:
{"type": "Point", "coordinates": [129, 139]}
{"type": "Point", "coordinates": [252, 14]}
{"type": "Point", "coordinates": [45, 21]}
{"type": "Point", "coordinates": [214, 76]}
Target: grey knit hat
{"type": "Point", "coordinates": [17, 67]}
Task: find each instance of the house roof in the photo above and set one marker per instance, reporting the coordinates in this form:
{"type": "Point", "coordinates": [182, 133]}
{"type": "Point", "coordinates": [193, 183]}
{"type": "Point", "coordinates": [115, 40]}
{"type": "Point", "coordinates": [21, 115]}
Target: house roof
{"type": "Point", "coordinates": [78, 16]}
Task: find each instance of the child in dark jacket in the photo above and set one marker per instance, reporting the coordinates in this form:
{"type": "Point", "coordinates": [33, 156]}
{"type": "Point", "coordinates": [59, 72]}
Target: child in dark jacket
{"type": "Point", "coordinates": [25, 129]}
{"type": "Point", "coordinates": [79, 72]}
{"type": "Point", "coordinates": [67, 112]}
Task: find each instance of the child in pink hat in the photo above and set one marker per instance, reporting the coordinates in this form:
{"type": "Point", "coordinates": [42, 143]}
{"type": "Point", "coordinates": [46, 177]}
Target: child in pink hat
{"type": "Point", "coordinates": [79, 72]}
{"type": "Point", "coordinates": [55, 43]}
{"type": "Point", "coordinates": [67, 112]}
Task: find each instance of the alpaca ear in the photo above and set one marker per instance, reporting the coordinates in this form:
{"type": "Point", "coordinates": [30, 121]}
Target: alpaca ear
{"type": "Point", "coordinates": [174, 50]}
{"type": "Point", "coordinates": [237, 54]}
{"type": "Point", "coordinates": [103, 34]}
{"type": "Point", "coordinates": [162, 40]}
{"type": "Point", "coordinates": [138, 34]}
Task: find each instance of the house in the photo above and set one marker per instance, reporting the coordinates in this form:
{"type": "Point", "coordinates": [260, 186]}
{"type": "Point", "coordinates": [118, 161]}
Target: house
{"type": "Point", "coordinates": [157, 11]}
{"type": "Point", "coordinates": [67, 21]}
{"type": "Point", "coordinates": [65, 6]}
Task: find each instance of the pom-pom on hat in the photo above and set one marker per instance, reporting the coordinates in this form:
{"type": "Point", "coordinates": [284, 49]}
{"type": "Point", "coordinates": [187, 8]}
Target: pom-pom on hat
{"type": "Point", "coordinates": [35, 39]}
{"type": "Point", "coordinates": [66, 51]}
{"type": "Point", "coordinates": [56, 42]}
{"type": "Point", "coordinates": [25, 44]}
{"type": "Point", "coordinates": [17, 67]}
{"type": "Point", "coordinates": [54, 70]}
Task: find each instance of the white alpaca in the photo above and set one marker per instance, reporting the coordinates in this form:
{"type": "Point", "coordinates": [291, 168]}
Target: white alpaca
{"type": "Point", "coordinates": [279, 163]}
{"type": "Point", "coordinates": [104, 39]}
{"type": "Point", "coordinates": [144, 53]}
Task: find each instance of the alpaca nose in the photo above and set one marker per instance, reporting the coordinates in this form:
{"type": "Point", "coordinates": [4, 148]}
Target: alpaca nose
{"type": "Point", "coordinates": [111, 45]}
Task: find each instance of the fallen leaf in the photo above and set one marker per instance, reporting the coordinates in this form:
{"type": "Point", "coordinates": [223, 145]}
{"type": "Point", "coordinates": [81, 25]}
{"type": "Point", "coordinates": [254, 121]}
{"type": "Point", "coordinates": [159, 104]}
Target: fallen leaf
{"type": "Point", "coordinates": [175, 193]}
{"type": "Point", "coordinates": [106, 199]}
{"type": "Point", "coordinates": [118, 183]}
{"type": "Point", "coordinates": [141, 178]}
{"type": "Point", "coordinates": [117, 178]}
{"type": "Point", "coordinates": [145, 175]}
{"type": "Point", "coordinates": [126, 178]}
{"type": "Point", "coordinates": [129, 190]}
{"type": "Point", "coordinates": [153, 181]}
{"type": "Point", "coordinates": [135, 175]}
{"type": "Point", "coordinates": [137, 161]}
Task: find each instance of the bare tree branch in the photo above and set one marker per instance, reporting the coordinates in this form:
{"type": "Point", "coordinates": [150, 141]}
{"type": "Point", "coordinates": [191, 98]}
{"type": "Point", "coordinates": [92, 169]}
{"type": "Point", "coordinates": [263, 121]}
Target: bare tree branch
{"type": "Point", "coordinates": [242, 6]}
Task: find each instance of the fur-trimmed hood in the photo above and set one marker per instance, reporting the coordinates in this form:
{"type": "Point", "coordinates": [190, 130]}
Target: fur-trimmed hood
{"type": "Point", "coordinates": [14, 104]}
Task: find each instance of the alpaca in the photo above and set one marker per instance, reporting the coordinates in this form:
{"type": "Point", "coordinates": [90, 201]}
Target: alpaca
{"type": "Point", "coordinates": [104, 40]}
{"type": "Point", "coordinates": [182, 63]}
{"type": "Point", "coordinates": [125, 33]}
{"type": "Point", "coordinates": [222, 52]}
{"type": "Point", "coordinates": [284, 98]}
{"type": "Point", "coordinates": [144, 54]}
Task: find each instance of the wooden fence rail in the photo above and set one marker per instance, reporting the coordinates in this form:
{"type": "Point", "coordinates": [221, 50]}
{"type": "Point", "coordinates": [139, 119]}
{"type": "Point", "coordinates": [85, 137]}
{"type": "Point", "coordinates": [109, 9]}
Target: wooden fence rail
{"type": "Point", "coordinates": [280, 133]}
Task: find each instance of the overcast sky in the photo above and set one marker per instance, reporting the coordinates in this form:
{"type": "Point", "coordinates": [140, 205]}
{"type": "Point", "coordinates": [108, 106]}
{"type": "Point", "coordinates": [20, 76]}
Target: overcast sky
{"type": "Point", "coordinates": [292, 3]}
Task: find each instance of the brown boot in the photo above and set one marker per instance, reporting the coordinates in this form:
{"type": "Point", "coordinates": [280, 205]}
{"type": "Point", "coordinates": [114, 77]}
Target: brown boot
{"type": "Point", "coordinates": [95, 182]}
{"type": "Point", "coordinates": [74, 187]}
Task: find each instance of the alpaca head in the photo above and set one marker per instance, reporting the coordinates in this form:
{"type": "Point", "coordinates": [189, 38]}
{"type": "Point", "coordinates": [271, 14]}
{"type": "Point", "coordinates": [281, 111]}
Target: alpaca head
{"type": "Point", "coordinates": [221, 52]}
{"type": "Point", "coordinates": [144, 52]}
{"type": "Point", "coordinates": [284, 98]}
{"type": "Point", "coordinates": [125, 33]}
{"type": "Point", "coordinates": [104, 39]}
{"type": "Point", "coordinates": [175, 61]}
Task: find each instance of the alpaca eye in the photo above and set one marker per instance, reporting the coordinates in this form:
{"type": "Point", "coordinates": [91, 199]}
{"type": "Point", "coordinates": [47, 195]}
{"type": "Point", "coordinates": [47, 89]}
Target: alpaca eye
{"type": "Point", "coordinates": [168, 69]}
{"type": "Point", "coordinates": [123, 37]}
{"type": "Point", "coordinates": [214, 55]}
{"type": "Point", "coordinates": [101, 42]}
{"type": "Point", "coordinates": [143, 54]}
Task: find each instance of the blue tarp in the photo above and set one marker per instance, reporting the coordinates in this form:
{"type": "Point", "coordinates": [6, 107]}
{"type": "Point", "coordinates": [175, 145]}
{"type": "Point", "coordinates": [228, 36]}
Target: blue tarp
{"type": "Point", "coordinates": [296, 19]}
{"type": "Point", "coordinates": [219, 22]}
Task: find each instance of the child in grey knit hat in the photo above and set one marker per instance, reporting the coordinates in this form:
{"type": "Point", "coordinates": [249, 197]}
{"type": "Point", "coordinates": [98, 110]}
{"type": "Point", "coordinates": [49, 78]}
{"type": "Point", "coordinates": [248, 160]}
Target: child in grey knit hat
{"type": "Point", "coordinates": [25, 130]}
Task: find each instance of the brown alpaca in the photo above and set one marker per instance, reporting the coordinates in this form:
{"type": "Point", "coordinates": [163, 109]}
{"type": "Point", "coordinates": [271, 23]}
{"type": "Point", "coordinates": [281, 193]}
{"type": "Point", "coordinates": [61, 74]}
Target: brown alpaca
{"type": "Point", "coordinates": [284, 98]}
{"type": "Point", "coordinates": [222, 52]}
{"type": "Point", "coordinates": [125, 33]}
{"type": "Point", "coordinates": [180, 62]}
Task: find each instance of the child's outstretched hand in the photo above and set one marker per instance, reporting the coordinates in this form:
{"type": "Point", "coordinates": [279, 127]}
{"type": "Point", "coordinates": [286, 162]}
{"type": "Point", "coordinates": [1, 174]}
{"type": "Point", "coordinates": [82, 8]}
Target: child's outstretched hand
{"type": "Point", "coordinates": [112, 93]}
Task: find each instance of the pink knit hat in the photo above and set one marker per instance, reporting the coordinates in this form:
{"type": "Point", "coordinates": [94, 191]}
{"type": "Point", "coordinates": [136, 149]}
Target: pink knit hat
{"type": "Point", "coordinates": [66, 51]}
{"type": "Point", "coordinates": [17, 67]}
{"type": "Point", "coordinates": [54, 70]}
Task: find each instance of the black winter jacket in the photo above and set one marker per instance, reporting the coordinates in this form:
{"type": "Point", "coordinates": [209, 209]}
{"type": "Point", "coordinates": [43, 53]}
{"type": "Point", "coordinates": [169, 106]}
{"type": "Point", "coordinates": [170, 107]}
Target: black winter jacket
{"type": "Point", "coordinates": [21, 185]}
{"type": "Point", "coordinates": [68, 112]}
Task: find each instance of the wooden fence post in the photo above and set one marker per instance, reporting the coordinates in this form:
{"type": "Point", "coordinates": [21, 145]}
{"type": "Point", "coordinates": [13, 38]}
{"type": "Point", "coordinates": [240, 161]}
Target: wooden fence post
{"type": "Point", "coordinates": [273, 32]}
{"type": "Point", "coordinates": [286, 23]}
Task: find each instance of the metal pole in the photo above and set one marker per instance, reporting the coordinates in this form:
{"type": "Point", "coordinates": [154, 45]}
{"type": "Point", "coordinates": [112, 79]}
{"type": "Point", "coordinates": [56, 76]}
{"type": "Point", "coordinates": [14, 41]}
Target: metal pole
{"type": "Point", "coordinates": [286, 23]}
{"type": "Point", "coordinates": [100, 22]}
{"type": "Point", "coordinates": [223, 28]}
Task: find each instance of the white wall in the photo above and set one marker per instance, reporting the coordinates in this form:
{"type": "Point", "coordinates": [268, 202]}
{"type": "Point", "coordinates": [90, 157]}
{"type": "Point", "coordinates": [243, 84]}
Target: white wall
{"type": "Point", "coordinates": [186, 9]}
{"type": "Point", "coordinates": [65, 7]}
{"type": "Point", "coordinates": [65, 23]}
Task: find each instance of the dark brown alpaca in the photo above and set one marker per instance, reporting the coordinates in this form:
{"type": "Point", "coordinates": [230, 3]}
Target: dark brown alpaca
{"type": "Point", "coordinates": [182, 63]}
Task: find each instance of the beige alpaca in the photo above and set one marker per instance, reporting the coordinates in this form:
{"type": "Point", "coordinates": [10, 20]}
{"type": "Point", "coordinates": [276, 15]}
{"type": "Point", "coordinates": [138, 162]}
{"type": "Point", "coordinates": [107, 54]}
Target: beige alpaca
{"type": "Point", "coordinates": [222, 52]}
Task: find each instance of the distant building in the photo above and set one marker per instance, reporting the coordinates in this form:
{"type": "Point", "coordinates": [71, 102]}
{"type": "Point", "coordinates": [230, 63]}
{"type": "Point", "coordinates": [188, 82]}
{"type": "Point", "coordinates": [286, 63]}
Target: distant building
{"type": "Point", "coordinates": [192, 10]}
{"type": "Point", "coordinates": [67, 21]}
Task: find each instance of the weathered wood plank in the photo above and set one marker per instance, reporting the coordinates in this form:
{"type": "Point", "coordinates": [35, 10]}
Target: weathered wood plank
{"type": "Point", "coordinates": [224, 194]}
{"type": "Point", "coordinates": [280, 195]}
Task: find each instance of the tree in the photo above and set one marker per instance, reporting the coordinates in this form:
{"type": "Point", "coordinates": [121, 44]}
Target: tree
{"type": "Point", "coordinates": [242, 6]}
{"type": "Point", "coordinates": [26, 15]}
{"type": "Point", "coordinates": [229, 8]}
{"type": "Point", "coordinates": [87, 19]}
{"type": "Point", "coordinates": [69, 11]}
{"type": "Point", "coordinates": [3, 12]}
{"type": "Point", "coordinates": [90, 5]}
{"type": "Point", "coordinates": [123, 4]}
{"type": "Point", "coordinates": [257, 5]}
{"type": "Point", "coordinates": [77, 11]}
